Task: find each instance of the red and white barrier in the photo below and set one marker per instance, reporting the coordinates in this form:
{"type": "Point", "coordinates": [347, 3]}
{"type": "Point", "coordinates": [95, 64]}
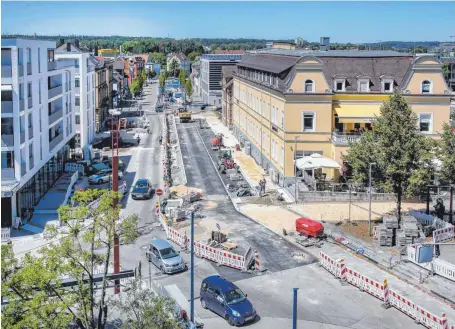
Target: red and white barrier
{"type": "Point", "coordinates": [383, 292]}
{"type": "Point", "coordinates": [444, 234]}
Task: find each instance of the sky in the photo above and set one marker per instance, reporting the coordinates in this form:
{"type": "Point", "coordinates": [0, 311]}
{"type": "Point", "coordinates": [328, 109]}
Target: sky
{"type": "Point", "coordinates": [341, 21]}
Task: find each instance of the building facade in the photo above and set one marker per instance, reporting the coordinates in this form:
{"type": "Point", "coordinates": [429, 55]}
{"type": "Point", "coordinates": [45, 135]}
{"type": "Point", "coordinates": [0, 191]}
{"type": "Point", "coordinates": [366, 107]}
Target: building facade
{"type": "Point", "coordinates": [181, 59]}
{"type": "Point", "coordinates": [211, 65]}
{"type": "Point", "coordinates": [292, 103]}
{"type": "Point", "coordinates": [104, 91]}
{"type": "Point", "coordinates": [227, 86]}
{"type": "Point", "coordinates": [38, 121]}
{"type": "Point", "coordinates": [84, 91]}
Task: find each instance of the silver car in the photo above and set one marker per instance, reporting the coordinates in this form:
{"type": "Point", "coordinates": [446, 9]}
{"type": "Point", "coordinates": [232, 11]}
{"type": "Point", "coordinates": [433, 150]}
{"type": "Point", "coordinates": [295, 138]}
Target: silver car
{"type": "Point", "coordinates": [163, 255]}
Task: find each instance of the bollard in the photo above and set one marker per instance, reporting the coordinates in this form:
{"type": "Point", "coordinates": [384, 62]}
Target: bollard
{"type": "Point", "coordinates": [445, 324]}
{"type": "Point", "coordinates": [386, 303]}
{"type": "Point", "coordinates": [342, 271]}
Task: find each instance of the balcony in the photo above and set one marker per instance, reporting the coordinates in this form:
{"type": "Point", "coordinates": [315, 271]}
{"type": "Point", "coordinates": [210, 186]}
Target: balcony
{"type": "Point", "coordinates": [51, 66]}
{"type": "Point", "coordinates": [53, 143]}
{"type": "Point", "coordinates": [22, 134]}
{"type": "Point", "coordinates": [30, 102]}
{"type": "Point", "coordinates": [21, 105]}
{"type": "Point", "coordinates": [29, 68]}
{"type": "Point", "coordinates": [31, 163]}
{"type": "Point", "coordinates": [344, 138]}
{"type": "Point", "coordinates": [55, 91]}
{"type": "Point", "coordinates": [7, 107]}
{"type": "Point", "coordinates": [7, 71]}
{"type": "Point", "coordinates": [55, 116]}
{"type": "Point", "coordinates": [8, 174]}
{"type": "Point", "coordinates": [7, 140]}
{"type": "Point", "coordinates": [30, 132]}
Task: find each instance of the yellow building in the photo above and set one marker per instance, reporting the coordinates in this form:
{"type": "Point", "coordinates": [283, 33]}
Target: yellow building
{"type": "Point", "coordinates": [113, 53]}
{"type": "Point", "coordinates": [292, 103]}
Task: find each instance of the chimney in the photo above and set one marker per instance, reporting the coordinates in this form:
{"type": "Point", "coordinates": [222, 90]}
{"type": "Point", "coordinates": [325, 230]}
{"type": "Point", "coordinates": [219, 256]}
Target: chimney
{"type": "Point", "coordinates": [324, 44]}
{"type": "Point", "coordinates": [68, 47]}
{"type": "Point", "coordinates": [96, 50]}
{"type": "Point", "coordinates": [76, 43]}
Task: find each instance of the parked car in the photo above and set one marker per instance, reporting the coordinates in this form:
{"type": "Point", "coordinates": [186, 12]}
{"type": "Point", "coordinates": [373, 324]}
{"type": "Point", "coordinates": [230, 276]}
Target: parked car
{"type": "Point", "coordinates": [163, 256]}
{"type": "Point", "coordinates": [99, 143]}
{"type": "Point", "coordinates": [227, 300]}
{"type": "Point", "coordinates": [121, 165]}
{"type": "Point", "coordinates": [102, 176]}
{"type": "Point", "coordinates": [142, 189]}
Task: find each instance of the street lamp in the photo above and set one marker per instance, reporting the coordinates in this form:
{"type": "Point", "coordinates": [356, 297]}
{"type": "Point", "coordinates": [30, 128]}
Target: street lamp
{"type": "Point", "coordinates": [295, 166]}
{"type": "Point", "coordinates": [369, 197]}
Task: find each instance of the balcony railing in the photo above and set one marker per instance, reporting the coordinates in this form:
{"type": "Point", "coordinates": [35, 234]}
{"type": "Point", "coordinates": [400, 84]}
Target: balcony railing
{"type": "Point", "coordinates": [7, 71]}
{"type": "Point", "coordinates": [30, 102]}
{"type": "Point", "coordinates": [30, 132]}
{"type": "Point", "coordinates": [31, 163]}
{"type": "Point", "coordinates": [53, 143]}
{"type": "Point", "coordinates": [7, 106]}
{"type": "Point", "coordinates": [29, 68]}
{"type": "Point", "coordinates": [8, 174]}
{"type": "Point", "coordinates": [55, 91]}
{"type": "Point", "coordinates": [7, 140]}
{"type": "Point", "coordinates": [344, 138]}
{"type": "Point", "coordinates": [21, 105]}
{"type": "Point", "coordinates": [51, 66]}
{"type": "Point", "coordinates": [55, 116]}
{"type": "Point", "coordinates": [22, 137]}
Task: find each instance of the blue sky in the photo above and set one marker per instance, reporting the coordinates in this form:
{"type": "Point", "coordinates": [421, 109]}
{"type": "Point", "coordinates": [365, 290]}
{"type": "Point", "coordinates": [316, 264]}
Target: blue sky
{"type": "Point", "coordinates": [342, 21]}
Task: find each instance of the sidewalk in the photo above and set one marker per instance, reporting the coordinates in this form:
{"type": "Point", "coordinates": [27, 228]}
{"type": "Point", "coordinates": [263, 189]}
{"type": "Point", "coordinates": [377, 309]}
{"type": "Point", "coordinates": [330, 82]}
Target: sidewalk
{"type": "Point", "coordinates": [250, 170]}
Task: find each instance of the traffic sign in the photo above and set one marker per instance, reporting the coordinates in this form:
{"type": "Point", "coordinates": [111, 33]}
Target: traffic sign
{"type": "Point", "coordinates": [218, 226]}
{"type": "Point", "coordinates": [159, 192]}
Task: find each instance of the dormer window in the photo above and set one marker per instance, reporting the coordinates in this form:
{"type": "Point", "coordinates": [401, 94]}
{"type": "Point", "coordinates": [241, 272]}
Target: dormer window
{"type": "Point", "coordinates": [309, 86]}
{"type": "Point", "coordinates": [426, 87]}
{"type": "Point", "coordinates": [364, 85]}
{"type": "Point", "coordinates": [340, 84]}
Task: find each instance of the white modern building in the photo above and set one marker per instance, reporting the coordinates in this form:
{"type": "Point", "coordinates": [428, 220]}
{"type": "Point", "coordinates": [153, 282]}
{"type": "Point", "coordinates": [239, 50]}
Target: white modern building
{"type": "Point", "coordinates": [38, 121]}
{"type": "Point", "coordinates": [211, 65]}
{"type": "Point", "coordinates": [84, 91]}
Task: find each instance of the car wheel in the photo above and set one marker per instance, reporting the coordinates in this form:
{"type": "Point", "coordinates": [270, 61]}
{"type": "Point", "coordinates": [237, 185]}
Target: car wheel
{"type": "Point", "coordinates": [204, 304]}
{"type": "Point", "coordinates": [230, 321]}
{"type": "Point", "coordinates": [100, 181]}
{"type": "Point", "coordinates": [162, 270]}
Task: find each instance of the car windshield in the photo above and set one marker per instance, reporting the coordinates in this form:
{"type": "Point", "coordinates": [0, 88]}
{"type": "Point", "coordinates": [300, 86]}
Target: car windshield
{"type": "Point", "coordinates": [167, 253]}
{"type": "Point", "coordinates": [141, 185]}
{"type": "Point", "coordinates": [234, 296]}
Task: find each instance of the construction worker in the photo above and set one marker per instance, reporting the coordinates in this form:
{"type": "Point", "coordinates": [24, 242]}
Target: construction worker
{"type": "Point", "coordinates": [161, 139]}
{"type": "Point", "coordinates": [262, 183]}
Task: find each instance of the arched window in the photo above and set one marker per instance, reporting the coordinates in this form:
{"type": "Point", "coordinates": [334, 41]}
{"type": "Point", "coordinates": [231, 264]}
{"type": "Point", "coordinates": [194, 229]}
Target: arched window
{"type": "Point", "coordinates": [426, 87]}
{"type": "Point", "coordinates": [309, 86]}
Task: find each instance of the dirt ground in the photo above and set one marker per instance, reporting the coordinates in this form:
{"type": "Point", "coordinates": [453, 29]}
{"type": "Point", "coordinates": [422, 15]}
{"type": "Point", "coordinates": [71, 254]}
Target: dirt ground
{"type": "Point", "coordinates": [335, 212]}
{"type": "Point", "coordinates": [274, 217]}
{"type": "Point", "coordinates": [182, 190]}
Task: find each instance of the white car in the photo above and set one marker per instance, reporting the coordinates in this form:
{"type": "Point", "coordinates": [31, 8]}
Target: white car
{"type": "Point", "coordinates": [102, 176]}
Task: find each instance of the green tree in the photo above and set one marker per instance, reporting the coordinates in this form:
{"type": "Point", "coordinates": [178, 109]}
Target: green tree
{"type": "Point", "coordinates": [192, 56]}
{"type": "Point", "coordinates": [144, 309]}
{"type": "Point", "coordinates": [188, 88]}
{"type": "Point", "coordinates": [159, 58]}
{"type": "Point", "coordinates": [174, 66]}
{"type": "Point", "coordinates": [447, 153]}
{"type": "Point", "coordinates": [401, 153]}
{"type": "Point", "coordinates": [85, 243]}
{"type": "Point", "coordinates": [135, 87]}
{"type": "Point", "coordinates": [182, 77]}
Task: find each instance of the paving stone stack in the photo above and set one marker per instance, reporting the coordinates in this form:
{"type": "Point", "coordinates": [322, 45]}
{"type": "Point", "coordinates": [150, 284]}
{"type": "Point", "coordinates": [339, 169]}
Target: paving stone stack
{"type": "Point", "coordinates": [391, 222]}
{"type": "Point", "coordinates": [385, 236]}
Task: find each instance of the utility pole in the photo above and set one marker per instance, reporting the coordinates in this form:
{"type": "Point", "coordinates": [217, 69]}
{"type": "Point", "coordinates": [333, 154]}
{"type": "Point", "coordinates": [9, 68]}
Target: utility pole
{"type": "Point", "coordinates": [295, 167]}
{"type": "Point", "coordinates": [369, 198]}
{"type": "Point", "coordinates": [192, 269]}
{"type": "Point", "coordinates": [294, 310]}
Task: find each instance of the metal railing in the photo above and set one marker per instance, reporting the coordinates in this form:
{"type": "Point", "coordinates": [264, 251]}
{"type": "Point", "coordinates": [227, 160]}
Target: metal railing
{"type": "Point", "coordinates": [7, 106]}
{"type": "Point", "coordinates": [55, 116]}
{"type": "Point", "coordinates": [7, 71]}
{"type": "Point", "coordinates": [7, 140]}
{"type": "Point", "coordinates": [8, 174]}
{"type": "Point", "coordinates": [344, 138]}
{"type": "Point", "coordinates": [53, 143]}
{"type": "Point", "coordinates": [55, 91]}
{"type": "Point", "coordinates": [30, 132]}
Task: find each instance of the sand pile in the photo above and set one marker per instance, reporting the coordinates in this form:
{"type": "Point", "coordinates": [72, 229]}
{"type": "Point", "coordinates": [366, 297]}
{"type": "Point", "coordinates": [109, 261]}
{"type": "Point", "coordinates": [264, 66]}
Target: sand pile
{"type": "Point", "coordinates": [183, 190]}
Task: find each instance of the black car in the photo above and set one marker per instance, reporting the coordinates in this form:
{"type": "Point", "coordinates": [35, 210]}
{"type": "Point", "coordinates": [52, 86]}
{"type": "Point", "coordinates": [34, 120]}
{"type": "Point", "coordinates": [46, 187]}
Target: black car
{"type": "Point", "coordinates": [142, 190]}
{"type": "Point", "coordinates": [100, 143]}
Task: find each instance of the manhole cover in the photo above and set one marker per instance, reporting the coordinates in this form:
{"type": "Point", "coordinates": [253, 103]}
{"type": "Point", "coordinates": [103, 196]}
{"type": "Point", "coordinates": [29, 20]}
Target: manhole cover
{"type": "Point", "coordinates": [144, 247]}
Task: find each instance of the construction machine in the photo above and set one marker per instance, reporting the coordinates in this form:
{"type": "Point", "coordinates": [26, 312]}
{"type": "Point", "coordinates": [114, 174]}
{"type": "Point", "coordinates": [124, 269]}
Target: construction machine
{"type": "Point", "coordinates": [184, 115]}
{"type": "Point", "coordinates": [217, 142]}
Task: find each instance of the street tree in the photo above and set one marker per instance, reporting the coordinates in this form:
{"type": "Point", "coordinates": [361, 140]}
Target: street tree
{"type": "Point", "coordinates": [188, 87]}
{"type": "Point", "coordinates": [84, 247]}
{"type": "Point", "coordinates": [447, 153]}
{"type": "Point", "coordinates": [402, 154]}
{"type": "Point", "coordinates": [182, 77]}
{"type": "Point", "coordinates": [144, 309]}
{"type": "Point", "coordinates": [143, 77]}
{"type": "Point", "coordinates": [135, 87]}
{"type": "Point", "coordinates": [174, 66]}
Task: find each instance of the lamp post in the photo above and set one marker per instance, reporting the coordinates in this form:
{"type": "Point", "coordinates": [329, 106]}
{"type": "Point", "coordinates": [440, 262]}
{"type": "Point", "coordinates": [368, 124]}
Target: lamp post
{"type": "Point", "coordinates": [192, 269]}
{"type": "Point", "coordinates": [295, 166]}
{"type": "Point", "coordinates": [369, 197]}
{"type": "Point", "coordinates": [294, 310]}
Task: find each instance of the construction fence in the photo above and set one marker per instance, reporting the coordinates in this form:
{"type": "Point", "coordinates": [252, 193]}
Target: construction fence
{"type": "Point", "coordinates": [385, 293]}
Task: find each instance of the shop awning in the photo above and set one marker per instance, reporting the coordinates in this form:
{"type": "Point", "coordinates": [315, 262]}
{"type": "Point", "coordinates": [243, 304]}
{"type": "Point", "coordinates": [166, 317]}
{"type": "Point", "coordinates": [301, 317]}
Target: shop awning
{"type": "Point", "coordinates": [315, 161]}
{"type": "Point", "coordinates": [353, 113]}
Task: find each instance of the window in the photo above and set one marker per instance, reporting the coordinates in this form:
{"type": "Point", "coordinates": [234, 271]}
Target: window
{"type": "Point", "coordinates": [387, 86]}
{"type": "Point", "coordinates": [425, 122]}
{"type": "Point", "coordinates": [426, 87]}
{"type": "Point", "coordinates": [40, 127]}
{"type": "Point", "coordinates": [29, 89]}
{"type": "Point", "coordinates": [282, 119]}
{"type": "Point", "coordinates": [30, 150]}
{"type": "Point", "coordinates": [77, 101]}
{"type": "Point", "coordinates": [308, 121]}
{"type": "Point", "coordinates": [78, 119]}
{"type": "Point", "coordinates": [40, 147]}
{"type": "Point", "coordinates": [309, 86]}
{"type": "Point", "coordinates": [7, 159]}
{"type": "Point", "coordinates": [273, 150]}
{"type": "Point", "coordinates": [39, 60]}
{"type": "Point", "coordinates": [50, 55]}
{"type": "Point", "coordinates": [88, 83]}
{"type": "Point", "coordinates": [340, 85]}
{"type": "Point", "coordinates": [364, 85]}
{"type": "Point", "coordinates": [282, 157]}
{"type": "Point", "coordinates": [29, 56]}
{"type": "Point", "coordinates": [21, 91]}
{"type": "Point", "coordinates": [274, 115]}
{"type": "Point", "coordinates": [77, 83]}
{"type": "Point", "coordinates": [39, 90]}
{"type": "Point", "coordinates": [30, 120]}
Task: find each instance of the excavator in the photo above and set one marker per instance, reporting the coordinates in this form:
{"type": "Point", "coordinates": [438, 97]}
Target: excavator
{"type": "Point", "coordinates": [184, 115]}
